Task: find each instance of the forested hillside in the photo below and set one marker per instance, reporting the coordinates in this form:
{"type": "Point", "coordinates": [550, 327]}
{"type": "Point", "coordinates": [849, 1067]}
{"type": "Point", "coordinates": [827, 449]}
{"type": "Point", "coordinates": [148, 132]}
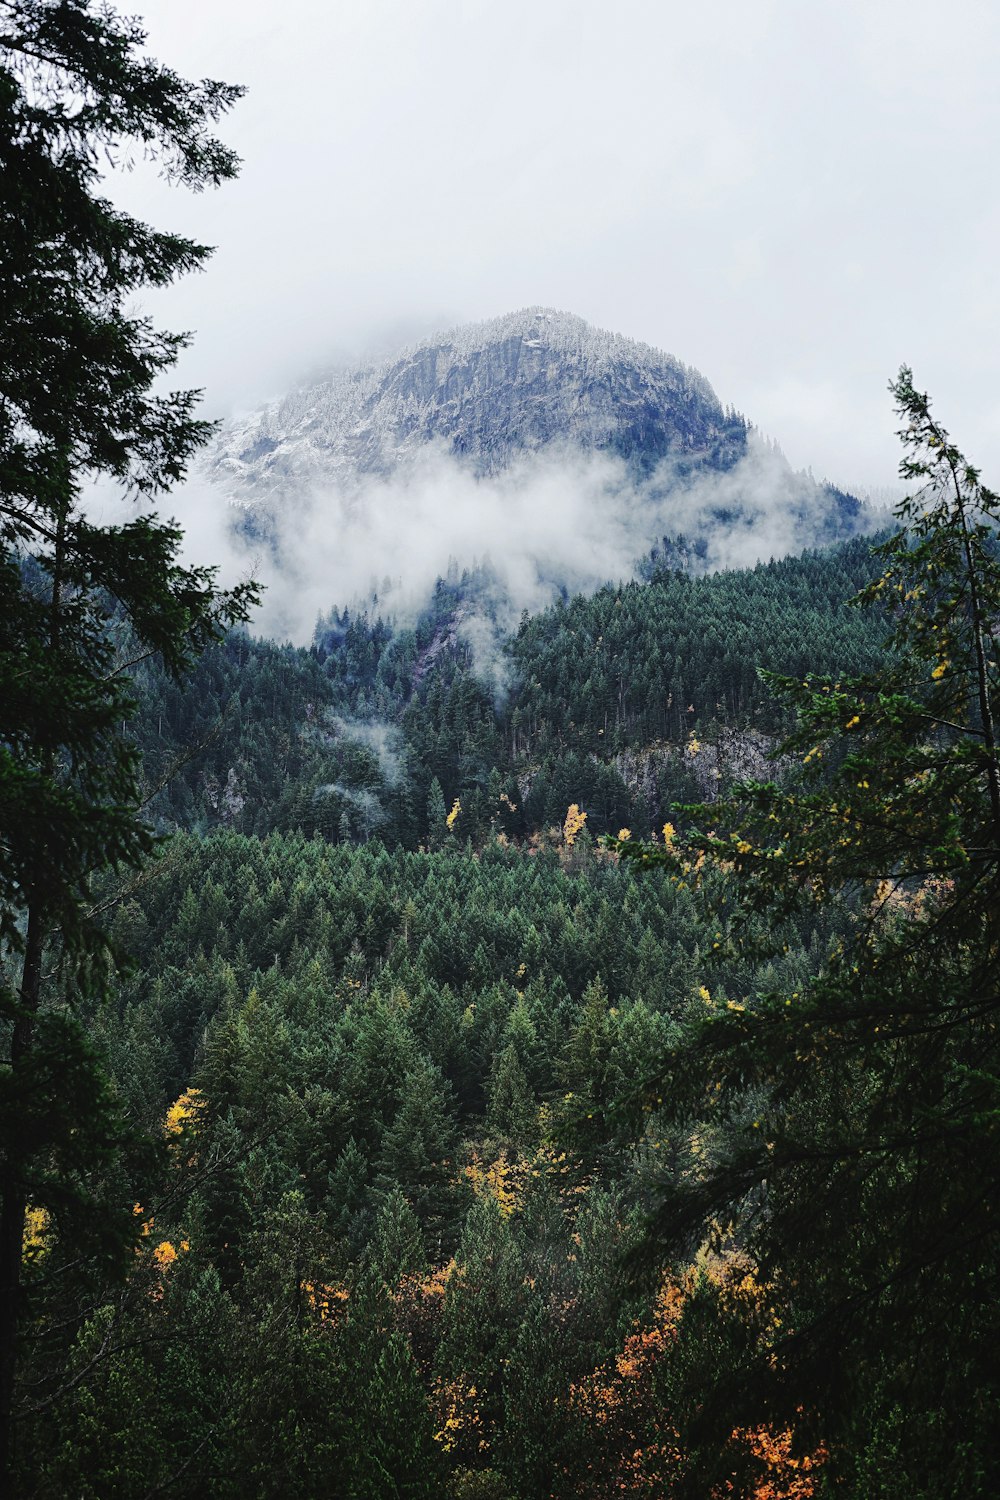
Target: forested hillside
{"type": "Point", "coordinates": [456, 1059]}
{"type": "Point", "coordinates": [387, 1011]}
{"type": "Point", "coordinates": [458, 1151]}
{"type": "Point", "coordinates": [603, 701]}
{"type": "Point", "coordinates": [381, 1247]}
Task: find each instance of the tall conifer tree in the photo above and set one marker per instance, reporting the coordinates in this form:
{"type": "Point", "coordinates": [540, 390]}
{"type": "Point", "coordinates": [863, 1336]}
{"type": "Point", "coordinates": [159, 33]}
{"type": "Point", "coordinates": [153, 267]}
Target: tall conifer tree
{"type": "Point", "coordinates": [850, 1128]}
{"type": "Point", "coordinates": [78, 371]}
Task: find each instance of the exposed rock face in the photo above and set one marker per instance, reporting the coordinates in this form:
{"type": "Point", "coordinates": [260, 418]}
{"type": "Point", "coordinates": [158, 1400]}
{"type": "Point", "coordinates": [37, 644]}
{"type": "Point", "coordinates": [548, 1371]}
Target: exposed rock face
{"type": "Point", "coordinates": [731, 755]}
{"type": "Point", "coordinates": [486, 393]}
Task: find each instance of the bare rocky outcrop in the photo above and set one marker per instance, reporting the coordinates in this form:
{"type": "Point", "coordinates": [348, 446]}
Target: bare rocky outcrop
{"type": "Point", "coordinates": [730, 755]}
{"type": "Point", "coordinates": [229, 799]}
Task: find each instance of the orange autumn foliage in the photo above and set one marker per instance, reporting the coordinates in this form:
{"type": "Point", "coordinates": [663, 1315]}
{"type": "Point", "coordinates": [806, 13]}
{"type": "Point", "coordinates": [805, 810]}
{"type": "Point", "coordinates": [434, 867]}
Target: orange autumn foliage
{"type": "Point", "coordinates": [785, 1477]}
{"type": "Point", "coordinates": [641, 1450]}
{"type": "Point", "coordinates": [327, 1302]}
{"type": "Point", "coordinates": [417, 1301]}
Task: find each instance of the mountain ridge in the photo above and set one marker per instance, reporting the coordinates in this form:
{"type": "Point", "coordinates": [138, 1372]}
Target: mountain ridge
{"type": "Point", "coordinates": [563, 453]}
{"type": "Point", "coordinates": [485, 392]}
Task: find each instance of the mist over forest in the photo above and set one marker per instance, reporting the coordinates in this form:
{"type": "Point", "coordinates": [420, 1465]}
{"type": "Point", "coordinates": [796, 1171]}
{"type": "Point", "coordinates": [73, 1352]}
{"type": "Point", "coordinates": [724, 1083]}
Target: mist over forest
{"type": "Point", "coordinates": [498, 863]}
{"type": "Point", "coordinates": [553, 454]}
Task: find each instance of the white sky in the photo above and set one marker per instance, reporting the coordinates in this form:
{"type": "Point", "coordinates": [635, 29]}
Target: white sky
{"type": "Point", "coordinates": [795, 196]}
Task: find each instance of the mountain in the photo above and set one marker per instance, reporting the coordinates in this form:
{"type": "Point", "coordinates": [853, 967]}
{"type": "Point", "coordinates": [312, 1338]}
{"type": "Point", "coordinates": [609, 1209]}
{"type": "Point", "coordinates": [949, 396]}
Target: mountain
{"type": "Point", "coordinates": [486, 393]}
{"type": "Point", "coordinates": [562, 454]}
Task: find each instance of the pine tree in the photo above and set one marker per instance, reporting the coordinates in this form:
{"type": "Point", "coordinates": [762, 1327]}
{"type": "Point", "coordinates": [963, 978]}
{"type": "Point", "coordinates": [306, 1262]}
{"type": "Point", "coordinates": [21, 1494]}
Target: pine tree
{"type": "Point", "coordinates": [76, 401]}
{"type": "Point", "coordinates": [417, 1151]}
{"type": "Point", "coordinates": [852, 1125]}
{"type": "Point", "coordinates": [483, 1307]}
{"type": "Point", "coordinates": [437, 816]}
{"type": "Point", "coordinates": [397, 1245]}
{"type": "Point", "coordinates": [347, 1197]}
{"type": "Point", "coordinates": [584, 1065]}
{"type": "Point", "coordinates": [512, 1109]}
{"type": "Point", "coordinates": [404, 1457]}
{"type": "Point", "coordinates": [535, 1414]}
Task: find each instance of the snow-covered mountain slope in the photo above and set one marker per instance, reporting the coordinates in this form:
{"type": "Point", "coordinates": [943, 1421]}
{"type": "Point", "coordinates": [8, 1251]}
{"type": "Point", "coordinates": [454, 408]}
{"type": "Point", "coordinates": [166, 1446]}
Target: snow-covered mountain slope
{"type": "Point", "coordinates": [560, 454]}
{"type": "Point", "coordinates": [487, 393]}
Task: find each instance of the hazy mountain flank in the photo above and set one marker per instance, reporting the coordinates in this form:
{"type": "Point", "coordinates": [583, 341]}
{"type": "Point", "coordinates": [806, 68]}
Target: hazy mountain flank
{"type": "Point", "coordinates": [561, 453]}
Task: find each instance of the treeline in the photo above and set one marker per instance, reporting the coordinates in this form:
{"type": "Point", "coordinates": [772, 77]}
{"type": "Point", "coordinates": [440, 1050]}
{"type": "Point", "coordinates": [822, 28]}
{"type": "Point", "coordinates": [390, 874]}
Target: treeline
{"type": "Point", "coordinates": [644, 662]}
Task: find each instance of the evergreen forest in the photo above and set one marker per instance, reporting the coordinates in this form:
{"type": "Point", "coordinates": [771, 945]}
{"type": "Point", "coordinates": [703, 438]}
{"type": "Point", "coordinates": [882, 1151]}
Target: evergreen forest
{"type": "Point", "coordinates": [386, 1235]}
{"type": "Point", "coordinates": [454, 1060]}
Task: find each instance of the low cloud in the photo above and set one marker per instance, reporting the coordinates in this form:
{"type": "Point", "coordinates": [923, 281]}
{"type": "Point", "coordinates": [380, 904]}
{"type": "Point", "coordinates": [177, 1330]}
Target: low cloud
{"type": "Point", "coordinates": [385, 741]}
{"type": "Point", "coordinates": [759, 509]}
{"type": "Point", "coordinates": [555, 520]}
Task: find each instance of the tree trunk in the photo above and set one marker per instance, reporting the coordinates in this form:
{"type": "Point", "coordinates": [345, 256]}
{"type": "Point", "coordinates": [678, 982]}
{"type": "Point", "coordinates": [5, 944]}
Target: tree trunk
{"type": "Point", "coordinates": [14, 1206]}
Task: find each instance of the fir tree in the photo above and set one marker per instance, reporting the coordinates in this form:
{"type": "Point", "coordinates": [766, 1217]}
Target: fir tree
{"type": "Point", "coordinates": [76, 401]}
{"type": "Point", "coordinates": [437, 815]}
{"type": "Point", "coordinates": [417, 1150]}
{"type": "Point", "coordinates": [512, 1110]}
{"type": "Point", "coordinates": [851, 1125]}
{"type": "Point", "coordinates": [397, 1245]}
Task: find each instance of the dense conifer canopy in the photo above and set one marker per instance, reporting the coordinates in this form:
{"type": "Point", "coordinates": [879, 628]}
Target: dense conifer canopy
{"type": "Point", "coordinates": [430, 1141]}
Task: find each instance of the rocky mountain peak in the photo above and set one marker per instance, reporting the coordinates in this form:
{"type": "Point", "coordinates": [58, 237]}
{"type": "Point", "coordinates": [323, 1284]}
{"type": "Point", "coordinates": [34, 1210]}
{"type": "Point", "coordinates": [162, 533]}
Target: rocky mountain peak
{"type": "Point", "coordinates": [487, 393]}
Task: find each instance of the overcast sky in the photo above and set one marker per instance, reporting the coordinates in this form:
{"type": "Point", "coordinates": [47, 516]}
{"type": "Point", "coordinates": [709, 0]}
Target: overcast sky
{"type": "Point", "coordinates": [795, 196]}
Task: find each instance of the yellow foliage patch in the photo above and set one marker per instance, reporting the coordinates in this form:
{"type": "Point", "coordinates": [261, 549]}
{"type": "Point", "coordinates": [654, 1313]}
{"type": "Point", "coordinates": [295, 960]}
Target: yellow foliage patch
{"type": "Point", "coordinates": [501, 1180]}
{"type": "Point", "coordinates": [575, 819]}
{"type": "Point", "coordinates": [183, 1112]}
{"type": "Point", "coordinates": [36, 1225]}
